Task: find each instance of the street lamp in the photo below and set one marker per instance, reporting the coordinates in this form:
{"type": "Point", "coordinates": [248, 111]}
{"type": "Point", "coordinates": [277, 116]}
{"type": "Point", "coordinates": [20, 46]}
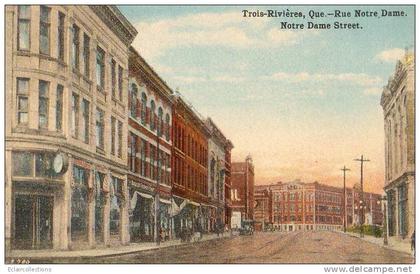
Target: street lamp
{"type": "Point", "coordinates": [383, 202]}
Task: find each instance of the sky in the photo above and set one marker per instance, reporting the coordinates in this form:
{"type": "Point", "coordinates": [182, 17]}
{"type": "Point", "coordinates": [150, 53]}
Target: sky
{"type": "Point", "coordinates": [302, 103]}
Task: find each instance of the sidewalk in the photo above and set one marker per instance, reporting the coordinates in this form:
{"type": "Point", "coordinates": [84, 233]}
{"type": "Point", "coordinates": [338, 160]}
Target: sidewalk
{"type": "Point", "coordinates": [103, 252]}
{"type": "Point", "coordinates": [393, 244]}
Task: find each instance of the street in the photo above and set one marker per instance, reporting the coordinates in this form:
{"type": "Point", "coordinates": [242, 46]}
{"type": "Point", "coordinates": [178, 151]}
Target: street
{"type": "Point", "coordinates": [270, 247]}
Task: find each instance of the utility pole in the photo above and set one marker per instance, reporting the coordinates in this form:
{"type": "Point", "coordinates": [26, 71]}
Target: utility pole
{"type": "Point", "coordinates": [344, 169]}
{"type": "Point", "coordinates": [362, 205]}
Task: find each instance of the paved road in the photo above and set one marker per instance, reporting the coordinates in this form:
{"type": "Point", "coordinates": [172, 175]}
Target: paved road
{"type": "Point", "coordinates": [296, 247]}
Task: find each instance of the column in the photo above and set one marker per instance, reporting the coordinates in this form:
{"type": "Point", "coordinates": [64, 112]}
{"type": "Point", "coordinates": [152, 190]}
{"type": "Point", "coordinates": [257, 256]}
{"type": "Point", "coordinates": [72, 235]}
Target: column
{"type": "Point", "coordinates": [410, 205]}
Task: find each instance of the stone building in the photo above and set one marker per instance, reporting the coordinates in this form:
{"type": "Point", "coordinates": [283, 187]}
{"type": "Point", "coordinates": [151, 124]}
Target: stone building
{"type": "Point", "coordinates": [149, 152]}
{"type": "Point", "coordinates": [242, 192]}
{"type": "Point", "coordinates": [66, 126]}
{"type": "Point", "coordinates": [217, 146]}
{"type": "Point", "coordinates": [397, 101]}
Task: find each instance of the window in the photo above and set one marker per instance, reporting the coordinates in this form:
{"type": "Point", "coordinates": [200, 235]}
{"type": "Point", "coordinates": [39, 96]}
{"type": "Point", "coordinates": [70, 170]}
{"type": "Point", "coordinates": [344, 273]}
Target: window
{"type": "Point", "coordinates": [24, 27]}
{"type": "Point", "coordinates": [43, 104]}
{"type": "Point", "coordinates": [152, 115]}
{"type": "Point", "coordinates": [22, 100]}
{"type": "Point", "coordinates": [160, 122]}
{"type": "Point", "coordinates": [120, 132]}
{"type": "Point", "coordinates": [120, 82]}
{"type": "Point", "coordinates": [59, 108]}
{"type": "Point", "coordinates": [152, 162]}
{"type": "Point", "coordinates": [113, 121]}
{"type": "Point", "coordinates": [132, 152]}
{"type": "Point", "coordinates": [86, 54]}
{"type": "Point", "coordinates": [100, 128]}
{"type": "Point", "coordinates": [143, 108]}
{"type": "Point", "coordinates": [113, 77]}
{"type": "Point", "coordinates": [75, 51]}
{"type": "Point", "coordinates": [44, 30]}
{"type": "Point", "coordinates": [115, 207]}
{"type": "Point", "coordinates": [74, 115]}
{"type": "Point", "coordinates": [43, 165]}
{"type": "Point", "coordinates": [100, 68]}
{"type": "Point", "coordinates": [143, 146]}
{"type": "Point", "coordinates": [168, 126]}
{"type": "Point", "coordinates": [133, 101]}
{"type": "Point", "coordinates": [79, 204]}
{"type": "Point", "coordinates": [85, 121]}
{"type": "Point", "coordinates": [60, 39]}
{"type": "Point", "coordinates": [23, 163]}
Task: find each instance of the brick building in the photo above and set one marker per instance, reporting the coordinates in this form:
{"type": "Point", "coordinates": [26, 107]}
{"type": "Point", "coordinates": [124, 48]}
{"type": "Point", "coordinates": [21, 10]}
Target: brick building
{"type": "Point", "coordinates": [263, 207]}
{"type": "Point", "coordinates": [190, 207]}
{"type": "Point", "coordinates": [314, 206]}
{"type": "Point", "coordinates": [397, 101]}
{"type": "Point", "coordinates": [149, 151]}
{"type": "Point", "coordinates": [242, 192]}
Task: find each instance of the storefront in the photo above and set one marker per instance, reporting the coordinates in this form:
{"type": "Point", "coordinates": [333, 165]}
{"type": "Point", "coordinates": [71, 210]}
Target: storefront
{"type": "Point", "coordinates": [141, 216]}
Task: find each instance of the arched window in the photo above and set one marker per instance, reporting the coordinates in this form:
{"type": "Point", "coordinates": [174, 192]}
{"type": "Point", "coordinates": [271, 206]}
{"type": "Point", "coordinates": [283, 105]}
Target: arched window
{"type": "Point", "coordinates": [133, 100]}
{"type": "Point", "coordinates": [152, 115]}
{"type": "Point", "coordinates": [160, 121]}
{"type": "Point", "coordinates": [143, 108]}
{"type": "Point", "coordinates": [168, 126]}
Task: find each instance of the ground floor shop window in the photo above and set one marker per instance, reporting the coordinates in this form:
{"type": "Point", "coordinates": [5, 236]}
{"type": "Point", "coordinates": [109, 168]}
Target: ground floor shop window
{"type": "Point", "coordinates": [402, 210]}
{"type": "Point", "coordinates": [391, 212]}
{"type": "Point", "coordinates": [115, 207]}
{"type": "Point", "coordinates": [164, 221]}
{"type": "Point", "coordinates": [79, 204]}
{"type": "Point", "coordinates": [99, 206]}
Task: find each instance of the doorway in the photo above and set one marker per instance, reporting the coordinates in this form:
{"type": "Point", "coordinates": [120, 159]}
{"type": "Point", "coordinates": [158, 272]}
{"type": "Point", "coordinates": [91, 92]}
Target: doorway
{"type": "Point", "coordinates": [33, 222]}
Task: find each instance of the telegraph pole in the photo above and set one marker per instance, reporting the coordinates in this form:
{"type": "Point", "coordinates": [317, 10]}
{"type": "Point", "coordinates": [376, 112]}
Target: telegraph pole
{"type": "Point", "coordinates": [362, 205]}
{"type": "Point", "coordinates": [344, 169]}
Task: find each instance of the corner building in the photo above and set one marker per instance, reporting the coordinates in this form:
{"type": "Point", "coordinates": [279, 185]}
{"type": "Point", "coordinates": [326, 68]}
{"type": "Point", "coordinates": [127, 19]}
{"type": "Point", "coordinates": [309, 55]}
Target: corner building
{"type": "Point", "coordinates": [66, 126]}
{"type": "Point", "coordinates": [397, 101]}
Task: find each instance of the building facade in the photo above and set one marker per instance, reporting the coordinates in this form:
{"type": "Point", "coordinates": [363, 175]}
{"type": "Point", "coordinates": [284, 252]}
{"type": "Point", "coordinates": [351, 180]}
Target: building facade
{"type": "Point", "coordinates": [217, 166]}
{"type": "Point", "coordinates": [263, 208]}
{"type": "Point", "coordinates": [242, 192]}
{"type": "Point", "coordinates": [66, 84]}
{"type": "Point", "coordinates": [313, 206]}
{"type": "Point", "coordinates": [397, 101]}
{"type": "Point", "coordinates": [149, 152]}
{"type": "Point", "coordinates": [191, 210]}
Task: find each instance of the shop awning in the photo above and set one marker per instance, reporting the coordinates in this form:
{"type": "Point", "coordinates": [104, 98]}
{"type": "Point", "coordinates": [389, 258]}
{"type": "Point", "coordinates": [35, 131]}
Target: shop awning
{"type": "Point", "coordinates": [144, 195]}
{"type": "Point", "coordinates": [165, 201]}
{"type": "Point", "coordinates": [194, 203]}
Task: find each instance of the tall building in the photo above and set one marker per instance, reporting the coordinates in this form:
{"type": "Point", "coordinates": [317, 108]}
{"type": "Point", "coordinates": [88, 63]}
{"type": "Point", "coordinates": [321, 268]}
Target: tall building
{"type": "Point", "coordinates": [149, 151]}
{"type": "Point", "coordinates": [190, 206]}
{"type": "Point", "coordinates": [313, 206]}
{"type": "Point", "coordinates": [242, 192]}
{"type": "Point", "coordinates": [397, 101]}
{"type": "Point", "coordinates": [66, 126]}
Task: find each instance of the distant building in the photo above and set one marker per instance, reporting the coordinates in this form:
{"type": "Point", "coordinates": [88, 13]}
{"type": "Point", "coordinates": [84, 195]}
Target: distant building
{"type": "Point", "coordinates": [242, 191]}
{"type": "Point", "coordinates": [313, 206]}
{"type": "Point", "coordinates": [397, 101]}
{"type": "Point", "coordinates": [263, 208]}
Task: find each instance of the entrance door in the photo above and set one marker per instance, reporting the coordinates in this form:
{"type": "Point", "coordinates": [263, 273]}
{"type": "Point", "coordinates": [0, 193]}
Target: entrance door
{"type": "Point", "coordinates": [33, 222]}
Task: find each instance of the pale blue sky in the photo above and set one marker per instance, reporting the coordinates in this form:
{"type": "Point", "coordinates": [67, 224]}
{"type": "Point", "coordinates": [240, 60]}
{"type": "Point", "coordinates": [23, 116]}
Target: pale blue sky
{"type": "Point", "coordinates": [302, 102]}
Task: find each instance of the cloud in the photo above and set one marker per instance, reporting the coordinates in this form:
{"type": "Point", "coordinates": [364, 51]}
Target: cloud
{"type": "Point", "coordinates": [372, 91]}
{"type": "Point", "coordinates": [390, 55]}
{"type": "Point", "coordinates": [360, 79]}
{"type": "Point", "coordinates": [226, 29]}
